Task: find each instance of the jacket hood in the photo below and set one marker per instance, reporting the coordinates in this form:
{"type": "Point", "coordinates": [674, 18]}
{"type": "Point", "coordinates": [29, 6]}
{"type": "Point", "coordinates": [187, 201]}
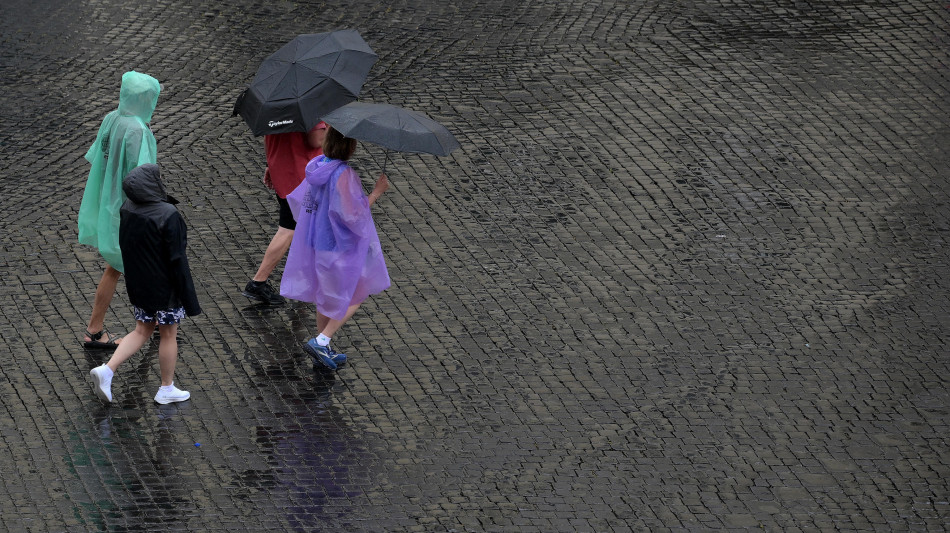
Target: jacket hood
{"type": "Point", "coordinates": [143, 185]}
{"type": "Point", "coordinates": [138, 95]}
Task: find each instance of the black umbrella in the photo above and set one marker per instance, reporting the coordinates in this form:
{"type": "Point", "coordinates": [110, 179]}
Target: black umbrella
{"type": "Point", "coordinates": [392, 127]}
{"type": "Point", "coordinates": [308, 77]}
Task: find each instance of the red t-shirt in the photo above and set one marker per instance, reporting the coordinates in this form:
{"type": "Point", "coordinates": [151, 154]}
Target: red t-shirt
{"type": "Point", "coordinates": [287, 157]}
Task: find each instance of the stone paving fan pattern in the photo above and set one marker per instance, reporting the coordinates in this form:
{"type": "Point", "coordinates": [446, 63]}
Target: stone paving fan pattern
{"type": "Point", "coordinates": [687, 272]}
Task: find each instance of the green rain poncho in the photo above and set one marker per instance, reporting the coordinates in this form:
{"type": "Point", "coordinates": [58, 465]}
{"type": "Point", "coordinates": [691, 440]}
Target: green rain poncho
{"type": "Point", "coordinates": [124, 142]}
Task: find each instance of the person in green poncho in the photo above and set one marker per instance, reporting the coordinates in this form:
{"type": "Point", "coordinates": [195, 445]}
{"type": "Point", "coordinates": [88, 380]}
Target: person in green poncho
{"type": "Point", "coordinates": [124, 142]}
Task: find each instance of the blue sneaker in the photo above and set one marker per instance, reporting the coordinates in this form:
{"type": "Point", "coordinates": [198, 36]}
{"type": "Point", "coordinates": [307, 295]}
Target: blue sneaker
{"type": "Point", "coordinates": [320, 354]}
{"type": "Point", "coordinates": [338, 358]}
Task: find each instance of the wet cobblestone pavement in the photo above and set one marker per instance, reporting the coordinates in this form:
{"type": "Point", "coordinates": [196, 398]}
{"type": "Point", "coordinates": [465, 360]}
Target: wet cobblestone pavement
{"type": "Point", "coordinates": [689, 271]}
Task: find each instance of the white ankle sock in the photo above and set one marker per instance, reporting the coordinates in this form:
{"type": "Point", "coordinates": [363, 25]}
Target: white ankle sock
{"type": "Point", "coordinates": [323, 340]}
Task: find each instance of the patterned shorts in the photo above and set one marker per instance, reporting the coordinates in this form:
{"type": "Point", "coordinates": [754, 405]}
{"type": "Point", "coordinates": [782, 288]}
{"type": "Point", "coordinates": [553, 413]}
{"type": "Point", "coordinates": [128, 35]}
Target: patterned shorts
{"type": "Point", "coordinates": [164, 318]}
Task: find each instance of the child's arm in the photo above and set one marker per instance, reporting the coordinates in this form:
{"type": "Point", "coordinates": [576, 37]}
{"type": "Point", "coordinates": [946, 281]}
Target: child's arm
{"type": "Point", "coordinates": [382, 184]}
{"type": "Point", "coordinates": [176, 235]}
{"type": "Point", "coordinates": [349, 205]}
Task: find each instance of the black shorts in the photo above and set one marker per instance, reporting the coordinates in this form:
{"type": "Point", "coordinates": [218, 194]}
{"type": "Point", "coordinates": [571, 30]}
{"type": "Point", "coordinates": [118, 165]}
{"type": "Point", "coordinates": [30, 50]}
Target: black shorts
{"type": "Point", "coordinates": [286, 219]}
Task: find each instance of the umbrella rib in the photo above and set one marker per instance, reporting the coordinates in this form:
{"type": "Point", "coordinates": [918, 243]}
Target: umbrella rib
{"type": "Point", "coordinates": [335, 61]}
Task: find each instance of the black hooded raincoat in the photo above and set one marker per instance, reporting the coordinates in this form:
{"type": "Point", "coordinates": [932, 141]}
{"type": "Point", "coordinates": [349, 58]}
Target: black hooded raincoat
{"type": "Point", "coordinates": [152, 237]}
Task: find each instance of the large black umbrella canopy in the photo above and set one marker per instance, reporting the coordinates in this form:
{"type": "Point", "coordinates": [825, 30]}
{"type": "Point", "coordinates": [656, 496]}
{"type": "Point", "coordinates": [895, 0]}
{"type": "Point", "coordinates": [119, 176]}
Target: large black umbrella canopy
{"type": "Point", "coordinates": [389, 126]}
{"type": "Point", "coordinates": [308, 77]}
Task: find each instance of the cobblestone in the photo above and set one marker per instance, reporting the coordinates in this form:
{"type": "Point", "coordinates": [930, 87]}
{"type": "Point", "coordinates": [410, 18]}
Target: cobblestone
{"type": "Point", "coordinates": [689, 271]}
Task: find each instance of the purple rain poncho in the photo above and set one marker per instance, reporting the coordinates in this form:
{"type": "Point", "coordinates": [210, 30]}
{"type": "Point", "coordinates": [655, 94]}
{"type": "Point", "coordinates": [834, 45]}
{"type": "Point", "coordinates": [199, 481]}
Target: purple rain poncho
{"type": "Point", "coordinates": [335, 259]}
{"type": "Point", "coordinates": [124, 142]}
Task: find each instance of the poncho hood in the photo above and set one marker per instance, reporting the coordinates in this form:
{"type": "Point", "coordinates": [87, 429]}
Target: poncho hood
{"type": "Point", "coordinates": [138, 95]}
{"type": "Point", "coordinates": [320, 169]}
{"type": "Point", "coordinates": [144, 185]}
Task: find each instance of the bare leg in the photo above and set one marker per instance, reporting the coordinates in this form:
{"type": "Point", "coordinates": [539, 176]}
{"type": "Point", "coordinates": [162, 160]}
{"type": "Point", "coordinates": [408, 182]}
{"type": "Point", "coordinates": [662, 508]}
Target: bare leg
{"type": "Point", "coordinates": [168, 353]}
{"type": "Point", "coordinates": [322, 321]}
{"type": "Point", "coordinates": [104, 293]}
{"type": "Point", "coordinates": [132, 342]}
{"type": "Point", "coordinates": [276, 251]}
{"type": "Point", "coordinates": [332, 325]}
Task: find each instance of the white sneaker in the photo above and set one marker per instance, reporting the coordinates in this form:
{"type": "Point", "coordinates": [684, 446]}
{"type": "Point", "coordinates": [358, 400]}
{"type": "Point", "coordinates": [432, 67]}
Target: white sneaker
{"type": "Point", "coordinates": [102, 382]}
{"type": "Point", "coordinates": [171, 394]}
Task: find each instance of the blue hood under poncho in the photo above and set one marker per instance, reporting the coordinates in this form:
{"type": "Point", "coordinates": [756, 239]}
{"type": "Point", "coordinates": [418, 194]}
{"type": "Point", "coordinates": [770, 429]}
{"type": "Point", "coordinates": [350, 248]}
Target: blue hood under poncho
{"type": "Point", "coordinates": [124, 142]}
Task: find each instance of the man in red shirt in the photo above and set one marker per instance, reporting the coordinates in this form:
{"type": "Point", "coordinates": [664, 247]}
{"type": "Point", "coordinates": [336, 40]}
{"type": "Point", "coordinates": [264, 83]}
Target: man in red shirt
{"type": "Point", "coordinates": [287, 157]}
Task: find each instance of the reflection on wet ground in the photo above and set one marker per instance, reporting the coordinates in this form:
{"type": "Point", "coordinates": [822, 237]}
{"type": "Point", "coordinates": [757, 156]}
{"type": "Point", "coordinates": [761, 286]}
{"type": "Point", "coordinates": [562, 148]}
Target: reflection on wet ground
{"type": "Point", "coordinates": [139, 462]}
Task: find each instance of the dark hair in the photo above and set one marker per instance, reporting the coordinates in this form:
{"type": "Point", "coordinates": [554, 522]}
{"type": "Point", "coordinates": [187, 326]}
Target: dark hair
{"type": "Point", "coordinates": [336, 146]}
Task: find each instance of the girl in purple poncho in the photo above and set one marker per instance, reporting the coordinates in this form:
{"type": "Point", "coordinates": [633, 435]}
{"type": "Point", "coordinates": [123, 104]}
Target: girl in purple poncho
{"type": "Point", "coordinates": [335, 259]}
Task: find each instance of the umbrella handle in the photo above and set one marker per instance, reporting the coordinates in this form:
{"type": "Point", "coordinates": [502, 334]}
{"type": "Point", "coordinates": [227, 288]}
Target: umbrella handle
{"type": "Point", "coordinates": [385, 161]}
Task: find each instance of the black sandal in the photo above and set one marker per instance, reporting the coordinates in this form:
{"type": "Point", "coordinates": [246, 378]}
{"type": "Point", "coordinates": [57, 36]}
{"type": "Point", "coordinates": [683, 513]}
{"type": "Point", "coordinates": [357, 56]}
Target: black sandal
{"type": "Point", "coordinates": [96, 344]}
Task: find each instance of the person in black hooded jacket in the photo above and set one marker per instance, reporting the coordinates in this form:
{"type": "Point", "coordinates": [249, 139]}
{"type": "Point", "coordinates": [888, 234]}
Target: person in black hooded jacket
{"type": "Point", "coordinates": [152, 237]}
